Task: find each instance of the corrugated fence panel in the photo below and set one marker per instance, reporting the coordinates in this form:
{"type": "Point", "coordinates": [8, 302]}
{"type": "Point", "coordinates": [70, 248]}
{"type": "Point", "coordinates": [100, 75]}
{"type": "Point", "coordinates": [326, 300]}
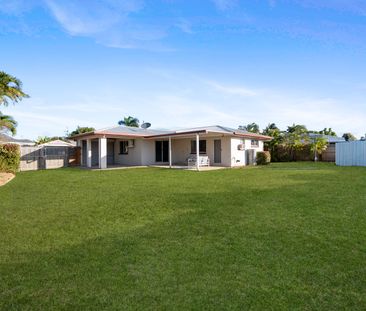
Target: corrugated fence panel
{"type": "Point", "coordinates": [351, 153]}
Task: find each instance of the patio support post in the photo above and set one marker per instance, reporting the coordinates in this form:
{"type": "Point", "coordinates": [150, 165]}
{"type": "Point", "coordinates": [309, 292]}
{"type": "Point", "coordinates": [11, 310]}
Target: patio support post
{"type": "Point", "coordinates": [88, 153]}
{"type": "Point", "coordinates": [198, 151]}
{"type": "Point", "coordinates": [170, 152]}
{"type": "Point", "coordinates": [102, 152]}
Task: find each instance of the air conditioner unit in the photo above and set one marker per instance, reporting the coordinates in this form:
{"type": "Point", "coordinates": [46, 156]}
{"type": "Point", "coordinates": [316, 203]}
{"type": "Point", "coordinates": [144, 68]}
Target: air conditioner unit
{"type": "Point", "coordinates": [241, 147]}
{"type": "Point", "coordinates": [131, 143]}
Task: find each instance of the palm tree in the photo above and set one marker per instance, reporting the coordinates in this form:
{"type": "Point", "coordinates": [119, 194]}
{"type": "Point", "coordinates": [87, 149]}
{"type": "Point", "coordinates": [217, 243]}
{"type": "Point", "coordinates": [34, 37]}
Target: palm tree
{"type": "Point", "coordinates": [7, 123]}
{"type": "Point", "coordinates": [129, 121]}
{"type": "Point", "coordinates": [10, 89]}
{"type": "Point", "coordinates": [252, 127]}
{"type": "Point", "coordinates": [319, 145]}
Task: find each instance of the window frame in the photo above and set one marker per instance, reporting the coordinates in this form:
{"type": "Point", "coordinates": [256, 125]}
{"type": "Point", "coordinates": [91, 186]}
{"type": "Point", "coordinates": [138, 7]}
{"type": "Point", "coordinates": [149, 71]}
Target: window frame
{"type": "Point", "coordinates": [202, 146]}
{"type": "Point", "coordinates": [123, 147]}
{"type": "Point", "coordinates": [254, 142]}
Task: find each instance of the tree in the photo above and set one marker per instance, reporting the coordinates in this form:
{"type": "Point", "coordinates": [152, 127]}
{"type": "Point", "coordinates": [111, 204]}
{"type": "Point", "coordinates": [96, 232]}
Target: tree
{"type": "Point", "coordinates": [271, 129]}
{"type": "Point", "coordinates": [43, 139]}
{"type": "Point", "coordinates": [7, 124]}
{"type": "Point", "coordinates": [81, 130]}
{"type": "Point", "coordinates": [277, 138]}
{"type": "Point", "coordinates": [328, 131]}
{"type": "Point", "coordinates": [318, 145]}
{"type": "Point", "coordinates": [252, 128]}
{"type": "Point", "coordinates": [10, 89]}
{"type": "Point", "coordinates": [297, 128]}
{"type": "Point", "coordinates": [349, 137]}
{"type": "Point", "coordinates": [295, 139]}
{"type": "Point", "coordinates": [129, 121]}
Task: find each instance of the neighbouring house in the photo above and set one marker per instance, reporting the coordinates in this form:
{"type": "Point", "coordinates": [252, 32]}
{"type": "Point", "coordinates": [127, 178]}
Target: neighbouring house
{"type": "Point", "coordinates": [329, 155]}
{"type": "Point", "coordinates": [203, 146]}
{"type": "Point", "coordinates": [6, 139]}
{"type": "Point", "coordinates": [53, 154]}
{"type": "Point", "coordinates": [59, 143]}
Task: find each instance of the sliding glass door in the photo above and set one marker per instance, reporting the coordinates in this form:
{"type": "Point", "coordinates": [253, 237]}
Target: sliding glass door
{"type": "Point", "coordinates": [161, 151]}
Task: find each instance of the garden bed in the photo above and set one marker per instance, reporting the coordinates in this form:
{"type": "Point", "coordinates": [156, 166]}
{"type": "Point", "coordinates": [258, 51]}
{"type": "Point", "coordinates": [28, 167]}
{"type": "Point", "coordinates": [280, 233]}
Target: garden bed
{"type": "Point", "coordinates": [5, 178]}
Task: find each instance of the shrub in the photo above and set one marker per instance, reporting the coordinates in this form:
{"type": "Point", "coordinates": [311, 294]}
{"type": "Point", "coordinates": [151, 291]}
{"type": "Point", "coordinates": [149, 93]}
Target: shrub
{"type": "Point", "coordinates": [9, 158]}
{"type": "Point", "coordinates": [263, 158]}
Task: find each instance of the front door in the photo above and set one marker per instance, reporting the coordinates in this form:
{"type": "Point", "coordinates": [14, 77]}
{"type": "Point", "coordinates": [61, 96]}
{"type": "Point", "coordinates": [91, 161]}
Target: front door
{"type": "Point", "coordinates": [161, 151]}
{"type": "Point", "coordinates": [217, 151]}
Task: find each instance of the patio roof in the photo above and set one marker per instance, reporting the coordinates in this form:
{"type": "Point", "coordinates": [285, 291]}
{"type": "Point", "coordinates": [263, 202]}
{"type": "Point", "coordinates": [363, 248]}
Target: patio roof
{"type": "Point", "coordinates": [126, 131]}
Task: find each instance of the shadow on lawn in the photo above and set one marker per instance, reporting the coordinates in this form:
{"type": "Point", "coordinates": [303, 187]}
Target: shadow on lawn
{"type": "Point", "coordinates": [225, 251]}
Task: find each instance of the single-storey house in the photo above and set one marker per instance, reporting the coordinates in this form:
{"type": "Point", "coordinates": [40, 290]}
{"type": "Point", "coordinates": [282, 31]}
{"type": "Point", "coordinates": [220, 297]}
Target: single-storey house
{"type": "Point", "coordinates": [58, 143]}
{"type": "Point", "coordinates": [203, 146]}
{"type": "Point", "coordinates": [6, 139]}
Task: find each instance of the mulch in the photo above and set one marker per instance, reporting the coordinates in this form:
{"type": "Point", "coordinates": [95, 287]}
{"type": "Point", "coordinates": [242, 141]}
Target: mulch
{"type": "Point", "coordinates": [5, 178]}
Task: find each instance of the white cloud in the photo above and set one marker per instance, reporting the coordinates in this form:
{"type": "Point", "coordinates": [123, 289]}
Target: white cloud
{"type": "Point", "coordinates": [95, 17]}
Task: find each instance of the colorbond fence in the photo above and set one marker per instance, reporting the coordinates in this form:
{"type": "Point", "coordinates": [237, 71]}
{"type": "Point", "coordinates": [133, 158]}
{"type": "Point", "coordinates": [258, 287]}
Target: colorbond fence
{"type": "Point", "coordinates": [37, 158]}
{"type": "Point", "coordinates": [351, 153]}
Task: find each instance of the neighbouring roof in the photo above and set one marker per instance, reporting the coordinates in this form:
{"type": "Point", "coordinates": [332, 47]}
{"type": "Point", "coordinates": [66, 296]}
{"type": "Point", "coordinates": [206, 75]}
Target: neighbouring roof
{"type": "Point", "coordinates": [330, 139]}
{"type": "Point", "coordinates": [150, 133]}
{"type": "Point", "coordinates": [9, 139]}
{"type": "Point", "coordinates": [58, 143]}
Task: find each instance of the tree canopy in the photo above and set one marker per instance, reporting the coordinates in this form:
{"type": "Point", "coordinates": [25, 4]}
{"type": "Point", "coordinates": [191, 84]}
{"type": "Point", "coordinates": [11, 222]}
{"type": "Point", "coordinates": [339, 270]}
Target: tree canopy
{"type": "Point", "coordinates": [252, 127]}
{"type": "Point", "coordinates": [129, 121]}
{"type": "Point", "coordinates": [349, 137]}
{"type": "Point", "coordinates": [7, 124]}
{"type": "Point", "coordinates": [10, 89]}
{"type": "Point", "coordinates": [81, 130]}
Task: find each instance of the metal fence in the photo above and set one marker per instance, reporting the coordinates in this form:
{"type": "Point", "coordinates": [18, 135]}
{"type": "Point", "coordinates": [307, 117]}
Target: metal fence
{"type": "Point", "coordinates": [37, 158]}
{"type": "Point", "coordinates": [351, 153]}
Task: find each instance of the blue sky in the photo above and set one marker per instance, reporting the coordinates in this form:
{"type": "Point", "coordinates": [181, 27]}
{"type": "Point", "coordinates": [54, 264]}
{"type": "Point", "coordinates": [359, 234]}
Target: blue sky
{"type": "Point", "coordinates": [179, 63]}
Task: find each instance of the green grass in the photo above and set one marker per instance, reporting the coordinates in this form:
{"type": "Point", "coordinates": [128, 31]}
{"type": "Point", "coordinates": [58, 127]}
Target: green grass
{"type": "Point", "coordinates": [282, 237]}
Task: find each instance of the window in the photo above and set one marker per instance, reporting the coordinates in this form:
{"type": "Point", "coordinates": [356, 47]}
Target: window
{"type": "Point", "coordinates": [202, 147]}
{"type": "Point", "coordinates": [123, 147]}
{"type": "Point", "coordinates": [255, 143]}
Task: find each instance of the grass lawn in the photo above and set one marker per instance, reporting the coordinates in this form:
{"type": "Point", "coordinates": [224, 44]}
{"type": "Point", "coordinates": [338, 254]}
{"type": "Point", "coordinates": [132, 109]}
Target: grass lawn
{"type": "Point", "coordinates": [282, 237]}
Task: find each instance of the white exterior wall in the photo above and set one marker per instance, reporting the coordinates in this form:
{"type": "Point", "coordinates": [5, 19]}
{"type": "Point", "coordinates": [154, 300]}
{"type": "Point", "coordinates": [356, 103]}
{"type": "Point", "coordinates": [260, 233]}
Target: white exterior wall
{"type": "Point", "coordinates": [148, 152]}
{"type": "Point", "coordinates": [181, 150]}
{"type": "Point", "coordinates": [134, 156]}
{"type": "Point", "coordinates": [238, 156]}
{"type": "Point", "coordinates": [351, 153]}
{"type": "Point", "coordinates": [248, 145]}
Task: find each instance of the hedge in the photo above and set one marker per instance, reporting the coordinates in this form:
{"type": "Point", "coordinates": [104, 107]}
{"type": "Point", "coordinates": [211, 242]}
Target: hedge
{"type": "Point", "coordinates": [9, 158]}
{"type": "Point", "coordinates": [284, 153]}
{"type": "Point", "coordinates": [263, 157]}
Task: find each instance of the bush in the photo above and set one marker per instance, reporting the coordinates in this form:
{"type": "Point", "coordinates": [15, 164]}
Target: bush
{"type": "Point", "coordinates": [263, 158]}
{"type": "Point", "coordinates": [9, 158]}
